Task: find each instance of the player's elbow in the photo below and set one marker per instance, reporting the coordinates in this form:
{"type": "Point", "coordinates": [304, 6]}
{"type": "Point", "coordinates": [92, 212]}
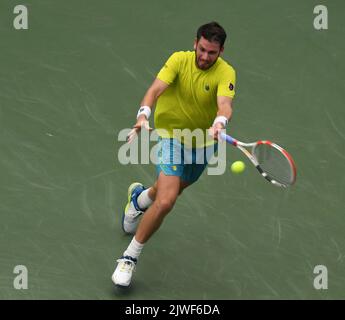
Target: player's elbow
{"type": "Point", "coordinates": [158, 87]}
{"type": "Point", "coordinates": [155, 92]}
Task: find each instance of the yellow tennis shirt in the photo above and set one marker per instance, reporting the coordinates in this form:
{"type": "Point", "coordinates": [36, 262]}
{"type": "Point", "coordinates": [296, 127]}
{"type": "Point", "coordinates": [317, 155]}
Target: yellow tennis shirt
{"type": "Point", "coordinates": [190, 101]}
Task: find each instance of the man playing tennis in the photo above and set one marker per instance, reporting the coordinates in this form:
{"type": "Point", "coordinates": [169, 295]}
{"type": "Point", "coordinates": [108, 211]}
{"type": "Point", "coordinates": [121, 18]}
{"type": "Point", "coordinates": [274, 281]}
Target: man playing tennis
{"type": "Point", "coordinates": [193, 90]}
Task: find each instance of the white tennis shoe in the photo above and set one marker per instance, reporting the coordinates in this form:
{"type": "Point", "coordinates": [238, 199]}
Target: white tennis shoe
{"type": "Point", "coordinates": [132, 212]}
{"type": "Point", "coordinates": [122, 275]}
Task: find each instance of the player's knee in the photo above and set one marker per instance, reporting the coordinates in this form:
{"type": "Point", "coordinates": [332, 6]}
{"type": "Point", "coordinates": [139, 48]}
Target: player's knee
{"type": "Point", "coordinates": [164, 205]}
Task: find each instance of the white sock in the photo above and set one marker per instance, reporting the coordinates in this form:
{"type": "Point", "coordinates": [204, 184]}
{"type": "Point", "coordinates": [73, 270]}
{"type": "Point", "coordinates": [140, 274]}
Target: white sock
{"type": "Point", "coordinates": [134, 249]}
{"type": "Point", "coordinates": [144, 201]}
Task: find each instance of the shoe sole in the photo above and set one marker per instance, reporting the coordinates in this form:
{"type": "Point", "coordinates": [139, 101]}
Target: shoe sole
{"type": "Point", "coordinates": [119, 285]}
{"type": "Point", "coordinates": [129, 194]}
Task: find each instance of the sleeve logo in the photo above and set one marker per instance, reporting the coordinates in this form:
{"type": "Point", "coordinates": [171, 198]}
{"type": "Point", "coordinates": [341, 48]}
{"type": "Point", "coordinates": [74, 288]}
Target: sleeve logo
{"type": "Point", "coordinates": [231, 86]}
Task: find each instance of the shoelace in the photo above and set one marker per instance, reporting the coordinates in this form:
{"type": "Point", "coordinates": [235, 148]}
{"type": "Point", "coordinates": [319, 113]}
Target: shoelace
{"type": "Point", "coordinates": [135, 213]}
{"type": "Point", "coordinates": [127, 265]}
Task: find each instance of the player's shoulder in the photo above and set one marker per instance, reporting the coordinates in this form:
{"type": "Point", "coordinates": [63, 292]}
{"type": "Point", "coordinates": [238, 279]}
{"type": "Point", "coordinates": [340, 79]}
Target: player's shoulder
{"type": "Point", "coordinates": [225, 66]}
{"type": "Point", "coordinates": [182, 55]}
{"type": "Point", "coordinates": [180, 59]}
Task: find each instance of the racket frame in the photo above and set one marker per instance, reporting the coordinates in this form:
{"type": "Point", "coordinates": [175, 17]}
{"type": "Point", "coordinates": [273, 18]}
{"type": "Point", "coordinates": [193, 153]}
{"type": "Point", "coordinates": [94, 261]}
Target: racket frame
{"type": "Point", "coordinates": [242, 146]}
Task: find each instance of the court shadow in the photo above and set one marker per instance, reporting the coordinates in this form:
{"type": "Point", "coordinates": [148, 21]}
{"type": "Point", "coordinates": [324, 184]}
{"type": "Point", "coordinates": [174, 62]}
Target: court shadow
{"type": "Point", "coordinates": [122, 292]}
{"type": "Point", "coordinates": [127, 292]}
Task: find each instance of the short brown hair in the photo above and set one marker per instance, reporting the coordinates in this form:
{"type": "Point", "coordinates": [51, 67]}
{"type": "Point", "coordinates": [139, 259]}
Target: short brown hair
{"type": "Point", "coordinates": [212, 32]}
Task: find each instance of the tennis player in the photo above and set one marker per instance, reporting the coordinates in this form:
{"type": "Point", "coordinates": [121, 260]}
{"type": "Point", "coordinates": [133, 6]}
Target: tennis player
{"type": "Point", "coordinates": [193, 90]}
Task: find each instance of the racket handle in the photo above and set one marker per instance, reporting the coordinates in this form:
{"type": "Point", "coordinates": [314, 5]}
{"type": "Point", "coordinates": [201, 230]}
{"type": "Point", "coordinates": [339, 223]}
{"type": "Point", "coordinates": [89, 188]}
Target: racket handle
{"type": "Point", "coordinates": [228, 139]}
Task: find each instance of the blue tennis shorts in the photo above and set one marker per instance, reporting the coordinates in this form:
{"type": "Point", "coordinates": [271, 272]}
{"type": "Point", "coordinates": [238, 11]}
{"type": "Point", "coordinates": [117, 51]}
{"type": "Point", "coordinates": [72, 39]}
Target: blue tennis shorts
{"type": "Point", "coordinates": [174, 159]}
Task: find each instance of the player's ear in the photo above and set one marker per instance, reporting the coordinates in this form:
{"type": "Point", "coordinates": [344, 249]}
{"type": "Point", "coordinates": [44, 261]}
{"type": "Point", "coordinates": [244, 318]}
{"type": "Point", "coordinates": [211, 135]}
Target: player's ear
{"type": "Point", "coordinates": [221, 50]}
{"type": "Point", "coordinates": [195, 43]}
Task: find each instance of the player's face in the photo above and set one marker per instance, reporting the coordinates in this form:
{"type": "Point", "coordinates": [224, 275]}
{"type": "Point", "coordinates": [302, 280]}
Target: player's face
{"type": "Point", "coordinates": [207, 53]}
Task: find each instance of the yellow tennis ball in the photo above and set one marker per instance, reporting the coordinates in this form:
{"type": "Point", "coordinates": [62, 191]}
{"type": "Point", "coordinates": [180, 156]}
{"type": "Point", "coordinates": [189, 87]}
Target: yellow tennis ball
{"type": "Point", "coordinates": [238, 167]}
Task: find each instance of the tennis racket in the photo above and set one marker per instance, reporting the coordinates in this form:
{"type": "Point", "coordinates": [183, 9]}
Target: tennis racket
{"type": "Point", "coordinates": [273, 162]}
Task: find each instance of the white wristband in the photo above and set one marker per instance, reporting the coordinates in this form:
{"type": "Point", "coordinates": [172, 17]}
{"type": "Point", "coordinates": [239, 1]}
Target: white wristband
{"type": "Point", "coordinates": [145, 110]}
{"type": "Point", "coordinates": [223, 120]}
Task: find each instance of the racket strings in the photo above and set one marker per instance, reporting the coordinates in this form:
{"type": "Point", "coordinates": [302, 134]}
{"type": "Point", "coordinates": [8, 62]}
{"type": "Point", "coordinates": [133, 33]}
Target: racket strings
{"type": "Point", "coordinates": [274, 163]}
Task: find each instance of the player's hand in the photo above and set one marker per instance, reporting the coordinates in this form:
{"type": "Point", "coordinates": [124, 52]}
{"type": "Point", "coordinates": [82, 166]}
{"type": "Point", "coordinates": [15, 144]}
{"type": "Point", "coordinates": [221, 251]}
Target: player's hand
{"type": "Point", "coordinates": [142, 122]}
{"type": "Point", "coordinates": [215, 130]}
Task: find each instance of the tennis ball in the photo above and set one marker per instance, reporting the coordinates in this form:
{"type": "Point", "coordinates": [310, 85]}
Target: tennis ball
{"type": "Point", "coordinates": [238, 167]}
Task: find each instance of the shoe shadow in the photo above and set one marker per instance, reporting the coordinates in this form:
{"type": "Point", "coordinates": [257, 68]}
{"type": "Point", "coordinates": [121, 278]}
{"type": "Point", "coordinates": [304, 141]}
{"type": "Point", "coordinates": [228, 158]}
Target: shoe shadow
{"type": "Point", "coordinates": [128, 292]}
{"type": "Point", "coordinates": [124, 292]}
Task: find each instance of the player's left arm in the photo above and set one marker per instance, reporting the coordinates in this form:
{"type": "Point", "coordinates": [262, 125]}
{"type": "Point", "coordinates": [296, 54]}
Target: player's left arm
{"type": "Point", "coordinates": [224, 114]}
{"type": "Point", "coordinates": [224, 107]}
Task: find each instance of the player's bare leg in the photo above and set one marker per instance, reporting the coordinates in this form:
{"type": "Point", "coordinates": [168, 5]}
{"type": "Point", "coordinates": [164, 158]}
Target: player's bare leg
{"type": "Point", "coordinates": [139, 199]}
{"type": "Point", "coordinates": [165, 192]}
{"type": "Point", "coordinates": [168, 189]}
{"type": "Point", "coordinates": [153, 190]}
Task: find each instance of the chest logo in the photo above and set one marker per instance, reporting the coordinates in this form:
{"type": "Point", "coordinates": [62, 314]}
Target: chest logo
{"type": "Point", "coordinates": [207, 87]}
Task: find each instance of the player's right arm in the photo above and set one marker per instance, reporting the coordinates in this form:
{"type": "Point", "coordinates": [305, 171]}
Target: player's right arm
{"type": "Point", "coordinates": [149, 100]}
{"type": "Point", "coordinates": [152, 94]}
{"type": "Point", "coordinates": [165, 77]}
